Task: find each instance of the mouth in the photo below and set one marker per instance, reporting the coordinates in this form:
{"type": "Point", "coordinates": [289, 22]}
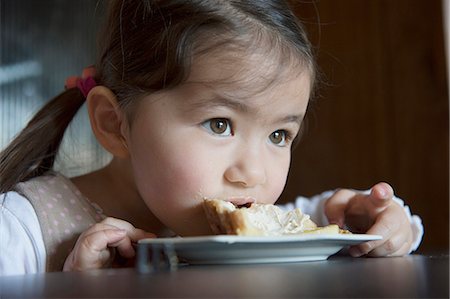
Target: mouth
{"type": "Point", "coordinates": [242, 201]}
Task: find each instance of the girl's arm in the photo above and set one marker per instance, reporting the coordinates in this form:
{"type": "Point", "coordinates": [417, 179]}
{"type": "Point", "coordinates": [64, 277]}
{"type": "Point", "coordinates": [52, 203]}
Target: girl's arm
{"type": "Point", "coordinates": [21, 245]}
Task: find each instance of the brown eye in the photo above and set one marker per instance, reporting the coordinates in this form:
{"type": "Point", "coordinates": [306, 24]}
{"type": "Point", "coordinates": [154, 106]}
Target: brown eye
{"type": "Point", "coordinates": [278, 137]}
{"type": "Point", "coordinates": [218, 126]}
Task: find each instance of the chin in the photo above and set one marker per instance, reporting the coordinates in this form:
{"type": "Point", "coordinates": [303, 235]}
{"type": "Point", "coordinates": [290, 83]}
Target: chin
{"type": "Point", "coordinates": [197, 232]}
{"type": "Point", "coordinates": [195, 224]}
{"type": "Point", "coordinates": [195, 229]}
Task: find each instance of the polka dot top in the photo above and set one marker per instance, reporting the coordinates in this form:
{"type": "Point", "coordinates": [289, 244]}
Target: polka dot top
{"type": "Point", "coordinates": [63, 214]}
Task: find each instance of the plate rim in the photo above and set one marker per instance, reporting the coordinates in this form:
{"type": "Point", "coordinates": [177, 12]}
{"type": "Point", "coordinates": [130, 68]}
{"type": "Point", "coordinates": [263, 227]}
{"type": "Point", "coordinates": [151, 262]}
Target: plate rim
{"type": "Point", "coordinates": [230, 239]}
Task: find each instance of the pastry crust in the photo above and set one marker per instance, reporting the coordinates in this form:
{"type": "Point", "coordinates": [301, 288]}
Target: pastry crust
{"type": "Point", "coordinates": [217, 215]}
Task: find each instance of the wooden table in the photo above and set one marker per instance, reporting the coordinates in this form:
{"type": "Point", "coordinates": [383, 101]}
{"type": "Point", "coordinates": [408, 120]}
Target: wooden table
{"type": "Point", "coordinates": [413, 276]}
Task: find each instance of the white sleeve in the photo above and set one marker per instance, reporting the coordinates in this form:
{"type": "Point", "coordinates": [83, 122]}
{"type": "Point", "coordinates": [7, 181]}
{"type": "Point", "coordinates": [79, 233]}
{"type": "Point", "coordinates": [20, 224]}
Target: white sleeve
{"type": "Point", "coordinates": [21, 244]}
{"type": "Point", "coordinates": [314, 207]}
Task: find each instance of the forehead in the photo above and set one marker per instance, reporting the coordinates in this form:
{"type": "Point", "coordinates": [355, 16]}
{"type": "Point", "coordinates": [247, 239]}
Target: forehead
{"type": "Point", "coordinates": [245, 75]}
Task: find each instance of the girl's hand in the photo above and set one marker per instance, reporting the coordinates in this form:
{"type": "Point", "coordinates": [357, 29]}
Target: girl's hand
{"type": "Point", "coordinates": [95, 247]}
{"type": "Point", "coordinates": [376, 213]}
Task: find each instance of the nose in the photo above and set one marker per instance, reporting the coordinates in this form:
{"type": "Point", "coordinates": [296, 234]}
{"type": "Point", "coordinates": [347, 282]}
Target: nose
{"type": "Point", "coordinates": [247, 170]}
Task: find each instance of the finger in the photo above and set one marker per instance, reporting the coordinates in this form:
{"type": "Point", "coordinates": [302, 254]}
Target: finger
{"type": "Point", "coordinates": [391, 245]}
{"type": "Point", "coordinates": [100, 226]}
{"type": "Point", "coordinates": [385, 226]}
{"type": "Point", "coordinates": [119, 223]}
{"type": "Point", "coordinates": [404, 250]}
{"type": "Point", "coordinates": [99, 240]}
{"type": "Point", "coordinates": [135, 234]}
{"type": "Point", "coordinates": [124, 247]}
{"type": "Point", "coordinates": [380, 195]}
{"type": "Point", "coordinates": [138, 234]}
{"type": "Point", "coordinates": [399, 244]}
{"type": "Point", "coordinates": [336, 205]}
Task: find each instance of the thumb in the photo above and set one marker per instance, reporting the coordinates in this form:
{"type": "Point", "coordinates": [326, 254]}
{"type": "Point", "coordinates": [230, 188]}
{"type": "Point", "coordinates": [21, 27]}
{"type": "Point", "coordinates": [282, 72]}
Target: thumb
{"type": "Point", "coordinates": [138, 234]}
{"type": "Point", "coordinates": [336, 205]}
{"type": "Point", "coordinates": [126, 245]}
{"type": "Point", "coordinates": [380, 195]}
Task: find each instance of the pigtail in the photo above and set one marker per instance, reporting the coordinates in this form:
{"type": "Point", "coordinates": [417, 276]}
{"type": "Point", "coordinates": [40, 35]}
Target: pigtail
{"type": "Point", "coordinates": [33, 151]}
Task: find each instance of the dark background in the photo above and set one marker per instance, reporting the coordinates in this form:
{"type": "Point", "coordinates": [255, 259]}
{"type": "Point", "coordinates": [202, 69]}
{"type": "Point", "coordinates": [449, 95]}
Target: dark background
{"type": "Point", "coordinates": [382, 111]}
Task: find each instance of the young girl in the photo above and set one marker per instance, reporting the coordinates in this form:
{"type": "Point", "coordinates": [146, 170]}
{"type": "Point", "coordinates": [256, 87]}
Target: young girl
{"type": "Point", "coordinates": [193, 99]}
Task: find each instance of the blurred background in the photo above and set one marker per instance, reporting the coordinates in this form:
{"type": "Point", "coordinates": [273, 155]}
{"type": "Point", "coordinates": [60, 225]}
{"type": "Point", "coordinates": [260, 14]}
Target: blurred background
{"type": "Point", "coordinates": [381, 113]}
{"type": "Point", "coordinates": [42, 43]}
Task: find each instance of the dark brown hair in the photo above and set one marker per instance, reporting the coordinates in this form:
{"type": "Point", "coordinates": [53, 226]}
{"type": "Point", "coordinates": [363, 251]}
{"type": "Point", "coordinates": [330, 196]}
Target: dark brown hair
{"type": "Point", "coordinates": [147, 46]}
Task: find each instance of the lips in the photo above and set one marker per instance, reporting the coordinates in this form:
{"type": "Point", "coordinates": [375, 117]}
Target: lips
{"type": "Point", "coordinates": [241, 201]}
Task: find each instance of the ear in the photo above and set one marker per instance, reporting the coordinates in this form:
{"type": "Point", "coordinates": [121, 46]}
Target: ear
{"type": "Point", "coordinates": [107, 120]}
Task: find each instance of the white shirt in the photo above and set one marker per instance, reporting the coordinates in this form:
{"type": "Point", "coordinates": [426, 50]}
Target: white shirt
{"type": "Point", "coordinates": [21, 244]}
{"type": "Point", "coordinates": [22, 247]}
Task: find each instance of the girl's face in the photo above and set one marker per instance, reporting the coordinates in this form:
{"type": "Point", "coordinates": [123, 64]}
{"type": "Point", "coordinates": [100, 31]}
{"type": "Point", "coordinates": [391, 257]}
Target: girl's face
{"type": "Point", "coordinates": [216, 136]}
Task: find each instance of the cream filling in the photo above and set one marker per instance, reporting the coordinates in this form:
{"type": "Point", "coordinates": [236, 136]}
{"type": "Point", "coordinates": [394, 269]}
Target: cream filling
{"type": "Point", "coordinates": [274, 222]}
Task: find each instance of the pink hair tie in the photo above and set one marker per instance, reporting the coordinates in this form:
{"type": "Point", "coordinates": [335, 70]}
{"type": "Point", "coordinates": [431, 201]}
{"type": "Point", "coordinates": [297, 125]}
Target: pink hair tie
{"type": "Point", "coordinates": [85, 85]}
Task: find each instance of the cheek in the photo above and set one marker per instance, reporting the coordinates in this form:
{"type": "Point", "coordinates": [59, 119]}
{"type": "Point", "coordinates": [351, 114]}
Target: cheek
{"type": "Point", "coordinates": [276, 178]}
{"type": "Point", "coordinates": [168, 174]}
{"type": "Point", "coordinates": [182, 177]}
{"type": "Point", "coordinates": [172, 180]}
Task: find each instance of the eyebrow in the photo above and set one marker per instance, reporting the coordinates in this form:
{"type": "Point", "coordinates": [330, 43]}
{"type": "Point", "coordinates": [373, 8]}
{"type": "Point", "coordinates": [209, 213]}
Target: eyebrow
{"type": "Point", "coordinates": [292, 119]}
{"type": "Point", "coordinates": [220, 101]}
